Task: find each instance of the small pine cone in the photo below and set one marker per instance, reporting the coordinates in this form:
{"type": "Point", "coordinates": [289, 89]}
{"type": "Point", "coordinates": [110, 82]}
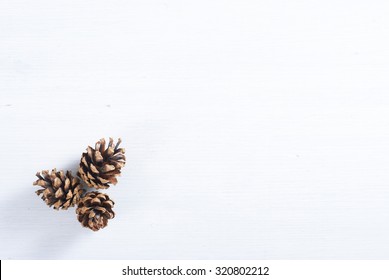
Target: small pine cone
{"type": "Point", "coordinates": [59, 190]}
{"type": "Point", "coordinates": [94, 210]}
{"type": "Point", "coordinates": [99, 167]}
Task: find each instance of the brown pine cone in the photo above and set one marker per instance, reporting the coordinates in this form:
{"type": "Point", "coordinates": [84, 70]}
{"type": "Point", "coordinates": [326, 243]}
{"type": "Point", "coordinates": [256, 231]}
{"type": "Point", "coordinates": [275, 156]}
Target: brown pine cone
{"type": "Point", "coordinates": [99, 167]}
{"type": "Point", "coordinates": [59, 190]}
{"type": "Point", "coordinates": [94, 210]}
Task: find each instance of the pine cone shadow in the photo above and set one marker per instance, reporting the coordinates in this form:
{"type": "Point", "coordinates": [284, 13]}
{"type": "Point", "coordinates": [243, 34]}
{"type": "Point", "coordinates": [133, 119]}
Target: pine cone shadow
{"type": "Point", "coordinates": [37, 231]}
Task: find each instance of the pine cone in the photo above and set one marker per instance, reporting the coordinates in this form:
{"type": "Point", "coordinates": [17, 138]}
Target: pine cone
{"type": "Point", "coordinates": [94, 210]}
{"type": "Point", "coordinates": [59, 190]}
{"type": "Point", "coordinates": [99, 167]}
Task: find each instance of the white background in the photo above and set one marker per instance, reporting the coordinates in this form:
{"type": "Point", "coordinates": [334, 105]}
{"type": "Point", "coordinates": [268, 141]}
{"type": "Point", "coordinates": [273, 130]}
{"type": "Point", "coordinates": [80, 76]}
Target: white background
{"type": "Point", "coordinates": [253, 129]}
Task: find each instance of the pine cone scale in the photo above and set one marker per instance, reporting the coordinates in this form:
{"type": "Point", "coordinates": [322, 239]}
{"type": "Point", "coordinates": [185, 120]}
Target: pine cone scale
{"type": "Point", "coordinates": [59, 193]}
{"type": "Point", "coordinates": [67, 184]}
{"type": "Point", "coordinates": [98, 157]}
{"type": "Point", "coordinates": [94, 169]}
{"type": "Point", "coordinates": [57, 182]}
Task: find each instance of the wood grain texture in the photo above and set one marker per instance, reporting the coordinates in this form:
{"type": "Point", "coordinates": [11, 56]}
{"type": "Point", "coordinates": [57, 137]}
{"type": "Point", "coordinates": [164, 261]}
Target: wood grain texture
{"type": "Point", "coordinates": [253, 129]}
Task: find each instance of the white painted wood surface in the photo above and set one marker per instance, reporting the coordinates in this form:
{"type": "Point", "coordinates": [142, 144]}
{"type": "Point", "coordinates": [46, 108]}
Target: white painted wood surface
{"type": "Point", "coordinates": [253, 129]}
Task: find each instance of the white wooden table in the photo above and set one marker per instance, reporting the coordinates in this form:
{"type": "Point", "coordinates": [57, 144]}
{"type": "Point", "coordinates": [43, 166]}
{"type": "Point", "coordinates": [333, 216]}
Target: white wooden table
{"type": "Point", "coordinates": [253, 129]}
